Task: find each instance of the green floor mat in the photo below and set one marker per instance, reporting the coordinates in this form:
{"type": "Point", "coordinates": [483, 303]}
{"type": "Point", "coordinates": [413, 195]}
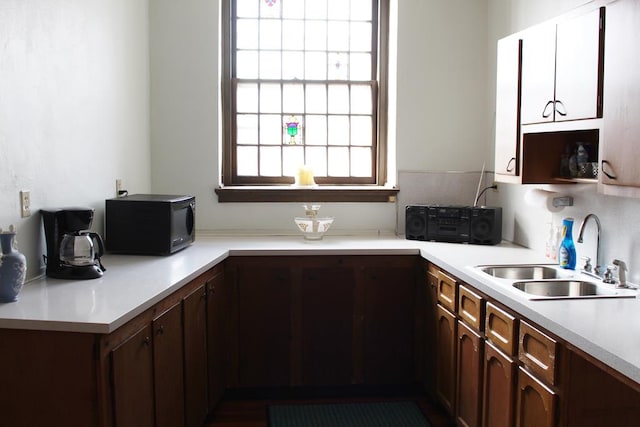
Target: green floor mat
{"type": "Point", "coordinates": [378, 414]}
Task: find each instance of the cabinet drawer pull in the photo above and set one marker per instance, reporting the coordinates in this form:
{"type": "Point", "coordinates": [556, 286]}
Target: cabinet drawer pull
{"type": "Point", "coordinates": [511, 165]}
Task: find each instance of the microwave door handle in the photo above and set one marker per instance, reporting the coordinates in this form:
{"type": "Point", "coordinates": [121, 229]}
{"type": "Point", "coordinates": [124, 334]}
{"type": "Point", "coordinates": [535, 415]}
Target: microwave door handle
{"type": "Point", "coordinates": [191, 217]}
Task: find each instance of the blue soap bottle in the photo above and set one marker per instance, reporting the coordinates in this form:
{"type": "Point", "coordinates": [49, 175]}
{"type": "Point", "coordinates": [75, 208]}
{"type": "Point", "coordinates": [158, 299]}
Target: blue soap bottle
{"type": "Point", "coordinates": [567, 250]}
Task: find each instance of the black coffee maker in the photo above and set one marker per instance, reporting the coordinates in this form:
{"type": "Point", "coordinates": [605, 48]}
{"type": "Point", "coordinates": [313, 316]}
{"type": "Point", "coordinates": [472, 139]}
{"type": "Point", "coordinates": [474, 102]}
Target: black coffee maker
{"type": "Point", "coordinates": [72, 252]}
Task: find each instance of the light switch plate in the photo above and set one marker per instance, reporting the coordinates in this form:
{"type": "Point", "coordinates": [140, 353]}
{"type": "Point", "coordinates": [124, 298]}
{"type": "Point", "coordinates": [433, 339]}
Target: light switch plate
{"type": "Point", "coordinates": [25, 203]}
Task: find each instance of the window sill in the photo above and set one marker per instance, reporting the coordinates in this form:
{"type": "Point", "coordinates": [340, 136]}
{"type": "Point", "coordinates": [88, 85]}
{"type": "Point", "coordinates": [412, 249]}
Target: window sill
{"type": "Point", "coordinates": [360, 194]}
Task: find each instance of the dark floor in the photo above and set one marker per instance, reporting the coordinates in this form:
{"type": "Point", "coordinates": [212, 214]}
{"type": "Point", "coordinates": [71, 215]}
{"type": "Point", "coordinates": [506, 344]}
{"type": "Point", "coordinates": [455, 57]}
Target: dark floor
{"type": "Point", "coordinates": [249, 408]}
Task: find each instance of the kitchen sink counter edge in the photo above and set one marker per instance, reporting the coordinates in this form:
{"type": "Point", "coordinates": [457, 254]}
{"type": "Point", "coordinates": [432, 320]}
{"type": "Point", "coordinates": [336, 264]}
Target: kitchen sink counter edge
{"type": "Point", "coordinates": [608, 329]}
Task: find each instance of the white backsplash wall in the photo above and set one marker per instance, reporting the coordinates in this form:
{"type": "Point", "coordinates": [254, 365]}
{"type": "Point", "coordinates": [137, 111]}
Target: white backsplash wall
{"type": "Point", "coordinates": [439, 188]}
{"type": "Point", "coordinates": [620, 235]}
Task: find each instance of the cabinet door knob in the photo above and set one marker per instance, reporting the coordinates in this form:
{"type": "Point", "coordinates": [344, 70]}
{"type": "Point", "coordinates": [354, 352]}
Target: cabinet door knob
{"type": "Point", "coordinates": [160, 330]}
{"type": "Point", "coordinates": [147, 341]}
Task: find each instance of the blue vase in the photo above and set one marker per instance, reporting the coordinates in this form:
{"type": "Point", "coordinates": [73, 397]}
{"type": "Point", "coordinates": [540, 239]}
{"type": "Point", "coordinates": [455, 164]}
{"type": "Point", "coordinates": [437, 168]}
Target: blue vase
{"type": "Point", "coordinates": [13, 268]}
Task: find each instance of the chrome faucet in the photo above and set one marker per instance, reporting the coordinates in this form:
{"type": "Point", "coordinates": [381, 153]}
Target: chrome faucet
{"type": "Point", "coordinates": [598, 266]}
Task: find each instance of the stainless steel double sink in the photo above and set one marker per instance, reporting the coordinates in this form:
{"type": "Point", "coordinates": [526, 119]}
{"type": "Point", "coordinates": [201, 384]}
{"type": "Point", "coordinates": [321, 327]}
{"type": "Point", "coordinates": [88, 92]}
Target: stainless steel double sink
{"type": "Point", "coordinates": [542, 281]}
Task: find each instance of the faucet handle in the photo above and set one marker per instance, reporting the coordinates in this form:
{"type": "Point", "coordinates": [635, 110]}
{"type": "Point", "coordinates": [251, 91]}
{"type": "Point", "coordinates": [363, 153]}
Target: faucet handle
{"type": "Point", "coordinates": [608, 276]}
{"type": "Point", "coordinates": [587, 264]}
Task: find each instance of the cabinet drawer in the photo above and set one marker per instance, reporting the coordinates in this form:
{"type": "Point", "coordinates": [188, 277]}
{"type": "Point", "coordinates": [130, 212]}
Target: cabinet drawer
{"type": "Point", "coordinates": [501, 329]}
{"type": "Point", "coordinates": [447, 290]}
{"type": "Point", "coordinates": [471, 308]}
{"type": "Point", "coordinates": [538, 352]}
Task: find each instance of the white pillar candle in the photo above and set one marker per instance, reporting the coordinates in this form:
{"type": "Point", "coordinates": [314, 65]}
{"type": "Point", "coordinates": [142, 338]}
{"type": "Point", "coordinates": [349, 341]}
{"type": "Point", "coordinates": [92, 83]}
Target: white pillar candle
{"type": "Point", "coordinates": [305, 175]}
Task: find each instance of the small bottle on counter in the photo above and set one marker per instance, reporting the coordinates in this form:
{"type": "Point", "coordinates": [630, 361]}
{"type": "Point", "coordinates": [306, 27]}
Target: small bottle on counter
{"type": "Point", "coordinates": [567, 250]}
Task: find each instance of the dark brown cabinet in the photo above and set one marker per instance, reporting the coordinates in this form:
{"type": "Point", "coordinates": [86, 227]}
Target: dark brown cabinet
{"type": "Point", "coordinates": [389, 320]}
{"type": "Point", "coordinates": [430, 316]}
{"type": "Point", "coordinates": [327, 301]}
{"type": "Point", "coordinates": [469, 377]}
{"type": "Point", "coordinates": [147, 374]}
{"type": "Point", "coordinates": [324, 320]}
{"type": "Point", "coordinates": [168, 363]}
{"type": "Point", "coordinates": [499, 388]}
{"type": "Point", "coordinates": [446, 333]}
{"type": "Point", "coordinates": [217, 335]}
{"type": "Point", "coordinates": [263, 300]}
{"type": "Point", "coordinates": [132, 368]}
{"type": "Point", "coordinates": [195, 353]}
{"type": "Point", "coordinates": [536, 402]}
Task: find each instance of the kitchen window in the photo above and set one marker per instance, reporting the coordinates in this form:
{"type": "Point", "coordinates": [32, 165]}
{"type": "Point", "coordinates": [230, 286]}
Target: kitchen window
{"type": "Point", "coordinates": [304, 89]}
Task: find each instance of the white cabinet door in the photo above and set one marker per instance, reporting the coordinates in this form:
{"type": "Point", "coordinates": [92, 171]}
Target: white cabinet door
{"type": "Point", "coordinates": [578, 69]}
{"type": "Point", "coordinates": [507, 159]}
{"type": "Point", "coordinates": [620, 160]}
{"type": "Point", "coordinates": [538, 73]}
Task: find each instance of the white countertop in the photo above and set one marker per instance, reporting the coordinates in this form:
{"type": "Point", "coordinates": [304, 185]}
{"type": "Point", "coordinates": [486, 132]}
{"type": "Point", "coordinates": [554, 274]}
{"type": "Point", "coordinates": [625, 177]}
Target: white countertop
{"type": "Point", "coordinates": [608, 329]}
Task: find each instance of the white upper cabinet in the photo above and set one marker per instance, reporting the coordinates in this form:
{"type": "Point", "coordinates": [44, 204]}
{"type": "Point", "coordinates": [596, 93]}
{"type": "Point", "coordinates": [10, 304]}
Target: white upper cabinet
{"type": "Point", "coordinates": [619, 165]}
{"type": "Point", "coordinates": [538, 73]}
{"type": "Point", "coordinates": [562, 69]}
{"type": "Point", "coordinates": [507, 159]}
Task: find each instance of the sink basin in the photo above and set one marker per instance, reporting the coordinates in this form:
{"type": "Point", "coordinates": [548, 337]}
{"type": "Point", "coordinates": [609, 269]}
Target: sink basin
{"type": "Point", "coordinates": [521, 272]}
{"type": "Point", "coordinates": [549, 281]}
{"type": "Point", "coordinates": [566, 289]}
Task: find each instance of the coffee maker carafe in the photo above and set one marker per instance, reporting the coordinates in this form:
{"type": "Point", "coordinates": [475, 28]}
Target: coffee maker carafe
{"type": "Point", "coordinates": [72, 252]}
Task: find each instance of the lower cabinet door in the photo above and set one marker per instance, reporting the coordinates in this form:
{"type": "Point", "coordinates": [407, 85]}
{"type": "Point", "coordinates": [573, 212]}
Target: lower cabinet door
{"type": "Point", "coordinates": [469, 377]}
{"type": "Point", "coordinates": [132, 378]}
{"type": "Point", "coordinates": [536, 402]}
{"type": "Point", "coordinates": [195, 355]}
{"type": "Point", "coordinates": [446, 358]}
{"type": "Point", "coordinates": [168, 368]}
{"type": "Point", "coordinates": [499, 389]}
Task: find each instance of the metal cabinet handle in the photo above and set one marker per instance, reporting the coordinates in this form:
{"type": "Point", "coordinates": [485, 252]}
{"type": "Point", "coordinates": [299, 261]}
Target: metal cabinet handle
{"type": "Point", "coordinates": [511, 164]}
{"type": "Point", "coordinates": [609, 175]}
{"type": "Point", "coordinates": [562, 111]}
{"type": "Point", "coordinates": [147, 341]}
{"type": "Point", "coordinates": [546, 114]}
{"type": "Point", "coordinates": [160, 330]}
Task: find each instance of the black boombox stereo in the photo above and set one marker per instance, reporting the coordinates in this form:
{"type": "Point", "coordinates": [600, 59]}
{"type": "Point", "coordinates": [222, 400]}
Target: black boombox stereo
{"type": "Point", "coordinates": [456, 224]}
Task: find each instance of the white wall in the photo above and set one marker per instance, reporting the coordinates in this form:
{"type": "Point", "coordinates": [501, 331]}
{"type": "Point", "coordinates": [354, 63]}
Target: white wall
{"type": "Point", "coordinates": [441, 109]}
{"type": "Point", "coordinates": [74, 107]}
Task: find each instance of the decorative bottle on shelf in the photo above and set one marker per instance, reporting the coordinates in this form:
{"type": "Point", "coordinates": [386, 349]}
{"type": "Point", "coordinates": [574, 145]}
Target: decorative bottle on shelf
{"type": "Point", "coordinates": [567, 250]}
{"type": "Point", "coordinates": [582, 158]}
{"type": "Point", "coordinates": [13, 267]}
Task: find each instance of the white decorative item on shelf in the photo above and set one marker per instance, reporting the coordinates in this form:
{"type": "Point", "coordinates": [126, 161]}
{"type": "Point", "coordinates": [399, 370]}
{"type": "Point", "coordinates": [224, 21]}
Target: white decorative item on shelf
{"type": "Point", "coordinates": [312, 226]}
{"type": "Point", "coordinates": [13, 267]}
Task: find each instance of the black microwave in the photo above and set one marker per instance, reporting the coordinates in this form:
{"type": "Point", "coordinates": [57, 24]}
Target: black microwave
{"type": "Point", "coordinates": [149, 224]}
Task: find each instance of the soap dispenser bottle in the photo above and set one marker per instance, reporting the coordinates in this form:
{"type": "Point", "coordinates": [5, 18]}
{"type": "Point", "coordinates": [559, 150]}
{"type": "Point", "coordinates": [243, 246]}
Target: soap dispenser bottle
{"type": "Point", "coordinates": [567, 250]}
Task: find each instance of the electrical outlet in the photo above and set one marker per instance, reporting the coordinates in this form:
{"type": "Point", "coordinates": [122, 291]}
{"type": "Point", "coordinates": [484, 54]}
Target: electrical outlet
{"type": "Point", "coordinates": [495, 190]}
{"type": "Point", "coordinates": [118, 186]}
{"type": "Point", "coordinates": [25, 203]}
